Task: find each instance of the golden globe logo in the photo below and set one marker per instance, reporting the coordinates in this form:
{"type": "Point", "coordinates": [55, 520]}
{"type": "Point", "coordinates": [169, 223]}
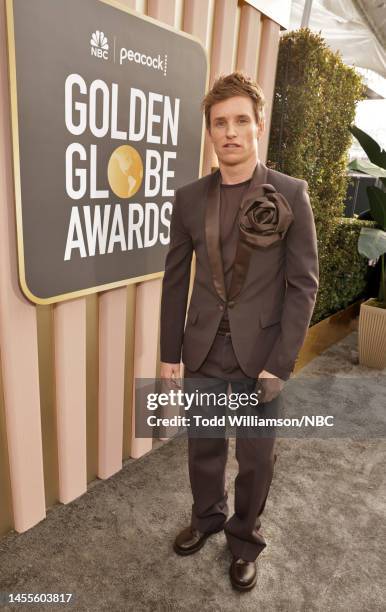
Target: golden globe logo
{"type": "Point", "coordinates": [125, 171]}
{"type": "Point", "coordinates": [99, 45]}
{"type": "Point", "coordinates": [100, 225]}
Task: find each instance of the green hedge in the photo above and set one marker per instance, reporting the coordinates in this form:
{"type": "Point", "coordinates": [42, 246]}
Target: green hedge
{"type": "Point", "coordinates": [314, 105]}
{"type": "Point", "coordinates": [343, 278]}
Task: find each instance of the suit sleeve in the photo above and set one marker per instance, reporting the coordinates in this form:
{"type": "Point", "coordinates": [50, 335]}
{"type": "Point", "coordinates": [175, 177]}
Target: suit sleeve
{"type": "Point", "coordinates": [175, 287]}
{"type": "Point", "coordinates": [302, 279]}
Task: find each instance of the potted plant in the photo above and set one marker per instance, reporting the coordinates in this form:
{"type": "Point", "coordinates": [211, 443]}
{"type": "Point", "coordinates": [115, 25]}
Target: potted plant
{"type": "Point", "coordinates": [372, 244]}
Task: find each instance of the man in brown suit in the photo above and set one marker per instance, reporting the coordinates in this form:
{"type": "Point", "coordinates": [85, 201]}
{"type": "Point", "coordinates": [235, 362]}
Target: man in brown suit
{"type": "Point", "coordinates": [253, 234]}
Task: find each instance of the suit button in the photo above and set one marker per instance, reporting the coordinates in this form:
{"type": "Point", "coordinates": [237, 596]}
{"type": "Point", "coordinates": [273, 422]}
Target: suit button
{"type": "Point", "coordinates": [231, 304]}
{"type": "Point", "coordinates": [220, 307]}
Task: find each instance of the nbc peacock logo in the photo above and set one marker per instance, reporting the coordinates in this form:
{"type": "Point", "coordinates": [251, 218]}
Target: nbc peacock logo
{"type": "Point", "coordinates": [99, 45]}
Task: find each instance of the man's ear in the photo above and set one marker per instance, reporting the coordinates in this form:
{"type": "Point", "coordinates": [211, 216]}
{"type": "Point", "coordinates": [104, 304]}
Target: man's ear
{"type": "Point", "coordinates": [261, 126]}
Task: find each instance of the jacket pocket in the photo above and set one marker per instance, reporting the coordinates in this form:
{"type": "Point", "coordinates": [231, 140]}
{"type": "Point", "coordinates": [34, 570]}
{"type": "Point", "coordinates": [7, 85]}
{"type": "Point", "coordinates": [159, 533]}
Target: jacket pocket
{"type": "Point", "coordinates": [270, 317]}
{"type": "Point", "coordinates": [192, 316]}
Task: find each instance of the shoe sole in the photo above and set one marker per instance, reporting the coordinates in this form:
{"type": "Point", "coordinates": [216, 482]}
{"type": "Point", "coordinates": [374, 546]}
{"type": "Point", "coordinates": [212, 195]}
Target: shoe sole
{"type": "Point", "coordinates": [240, 587]}
{"type": "Point", "coordinates": [191, 551]}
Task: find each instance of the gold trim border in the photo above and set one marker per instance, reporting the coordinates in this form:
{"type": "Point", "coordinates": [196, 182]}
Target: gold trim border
{"type": "Point", "coordinates": [16, 158]}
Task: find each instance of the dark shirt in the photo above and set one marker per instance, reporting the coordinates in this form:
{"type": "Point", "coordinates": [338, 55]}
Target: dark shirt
{"type": "Point", "coordinates": [230, 200]}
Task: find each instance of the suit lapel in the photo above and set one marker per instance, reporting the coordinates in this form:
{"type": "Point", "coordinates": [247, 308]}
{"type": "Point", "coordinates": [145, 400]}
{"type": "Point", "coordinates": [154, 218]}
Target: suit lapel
{"type": "Point", "coordinates": [212, 232]}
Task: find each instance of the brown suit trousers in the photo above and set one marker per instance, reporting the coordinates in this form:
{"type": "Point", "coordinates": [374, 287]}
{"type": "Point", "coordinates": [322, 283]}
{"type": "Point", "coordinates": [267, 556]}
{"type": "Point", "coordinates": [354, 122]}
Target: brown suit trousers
{"type": "Point", "coordinates": [208, 457]}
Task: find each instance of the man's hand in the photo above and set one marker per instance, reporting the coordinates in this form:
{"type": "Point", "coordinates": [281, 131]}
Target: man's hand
{"type": "Point", "coordinates": [269, 385]}
{"type": "Point", "coordinates": [171, 373]}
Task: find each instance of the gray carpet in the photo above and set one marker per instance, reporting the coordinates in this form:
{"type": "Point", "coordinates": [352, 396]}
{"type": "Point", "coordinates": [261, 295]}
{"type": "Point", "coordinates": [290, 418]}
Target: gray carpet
{"type": "Point", "coordinates": [324, 523]}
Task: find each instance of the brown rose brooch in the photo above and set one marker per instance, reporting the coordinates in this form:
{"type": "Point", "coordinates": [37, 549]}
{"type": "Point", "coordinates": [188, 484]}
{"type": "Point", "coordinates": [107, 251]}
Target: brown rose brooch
{"type": "Point", "coordinates": [265, 217]}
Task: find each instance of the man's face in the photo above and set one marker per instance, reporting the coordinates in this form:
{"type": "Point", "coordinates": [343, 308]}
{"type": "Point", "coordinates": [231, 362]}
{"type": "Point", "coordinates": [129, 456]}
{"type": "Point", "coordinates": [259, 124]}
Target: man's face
{"type": "Point", "coordinates": [234, 131]}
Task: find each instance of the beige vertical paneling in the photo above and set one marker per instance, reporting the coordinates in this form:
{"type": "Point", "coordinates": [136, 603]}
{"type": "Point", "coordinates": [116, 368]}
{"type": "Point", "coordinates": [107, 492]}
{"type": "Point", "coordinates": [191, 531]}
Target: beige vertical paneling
{"type": "Point", "coordinates": [223, 35]}
{"type": "Point", "coordinates": [44, 317]}
{"type": "Point", "coordinates": [92, 383]}
{"type": "Point", "coordinates": [129, 370]}
{"type": "Point", "coordinates": [6, 514]}
{"type": "Point", "coordinates": [163, 10]}
{"type": "Point", "coordinates": [249, 41]}
{"type": "Point", "coordinates": [158, 362]}
{"type": "Point", "coordinates": [222, 56]}
{"type": "Point", "coordinates": [131, 4]}
{"type": "Point", "coordinates": [18, 339]}
{"type": "Point", "coordinates": [112, 324]}
{"type": "Point", "coordinates": [48, 394]}
{"type": "Point", "coordinates": [197, 19]}
{"type": "Point", "coordinates": [269, 49]}
{"type": "Point", "coordinates": [248, 45]}
{"type": "Point", "coordinates": [141, 6]}
{"type": "Point", "coordinates": [70, 382]}
{"type": "Point", "coordinates": [179, 14]}
{"type": "Point", "coordinates": [148, 299]}
{"type": "Point", "coordinates": [209, 41]}
{"type": "Point", "coordinates": [236, 32]}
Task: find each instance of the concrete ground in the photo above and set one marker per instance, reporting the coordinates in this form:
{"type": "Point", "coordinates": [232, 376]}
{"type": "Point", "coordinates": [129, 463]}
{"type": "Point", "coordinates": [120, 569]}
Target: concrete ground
{"type": "Point", "coordinates": [324, 523]}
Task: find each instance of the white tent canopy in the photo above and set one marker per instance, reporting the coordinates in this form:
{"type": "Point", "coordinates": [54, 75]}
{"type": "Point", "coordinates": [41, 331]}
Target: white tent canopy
{"type": "Point", "coordinates": [356, 28]}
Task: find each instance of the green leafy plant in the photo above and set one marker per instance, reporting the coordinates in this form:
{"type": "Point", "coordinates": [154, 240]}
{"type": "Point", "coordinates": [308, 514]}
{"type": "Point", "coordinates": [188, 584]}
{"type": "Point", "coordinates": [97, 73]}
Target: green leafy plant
{"type": "Point", "coordinates": [372, 241]}
{"type": "Point", "coordinates": [313, 107]}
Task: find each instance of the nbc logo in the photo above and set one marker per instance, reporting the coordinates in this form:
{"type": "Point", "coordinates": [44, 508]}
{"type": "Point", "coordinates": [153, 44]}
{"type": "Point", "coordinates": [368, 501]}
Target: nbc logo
{"type": "Point", "coordinates": [99, 45]}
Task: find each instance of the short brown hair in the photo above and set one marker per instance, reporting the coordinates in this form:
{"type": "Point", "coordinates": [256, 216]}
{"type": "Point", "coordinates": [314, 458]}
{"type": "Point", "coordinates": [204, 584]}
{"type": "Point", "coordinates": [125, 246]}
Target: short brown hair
{"type": "Point", "coordinates": [234, 84]}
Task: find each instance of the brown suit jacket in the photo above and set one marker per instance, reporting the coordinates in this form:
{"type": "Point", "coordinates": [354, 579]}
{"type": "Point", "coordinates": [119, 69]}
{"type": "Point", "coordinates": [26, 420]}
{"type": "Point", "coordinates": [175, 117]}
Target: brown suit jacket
{"type": "Point", "coordinates": [270, 315]}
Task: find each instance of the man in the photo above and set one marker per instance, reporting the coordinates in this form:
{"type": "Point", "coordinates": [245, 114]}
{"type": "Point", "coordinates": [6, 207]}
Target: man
{"type": "Point", "coordinates": [256, 280]}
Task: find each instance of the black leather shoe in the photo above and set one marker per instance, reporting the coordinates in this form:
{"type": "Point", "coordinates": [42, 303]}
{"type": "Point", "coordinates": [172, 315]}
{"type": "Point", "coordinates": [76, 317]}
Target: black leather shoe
{"type": "Point", "coordinates": [190, 540]}
{"type": "Point", "coordinates": [243, 574]}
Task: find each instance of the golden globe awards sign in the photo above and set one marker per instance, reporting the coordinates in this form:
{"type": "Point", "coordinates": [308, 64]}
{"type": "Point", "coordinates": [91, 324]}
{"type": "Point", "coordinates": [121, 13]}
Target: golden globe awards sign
{"type": "Point", "coordinates": [106, 125]}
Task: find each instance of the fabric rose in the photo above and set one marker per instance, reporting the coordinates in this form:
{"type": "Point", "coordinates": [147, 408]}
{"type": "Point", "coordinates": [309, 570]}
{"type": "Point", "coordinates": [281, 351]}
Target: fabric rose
{"type": "Point", "coordinates": [265, 217]}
